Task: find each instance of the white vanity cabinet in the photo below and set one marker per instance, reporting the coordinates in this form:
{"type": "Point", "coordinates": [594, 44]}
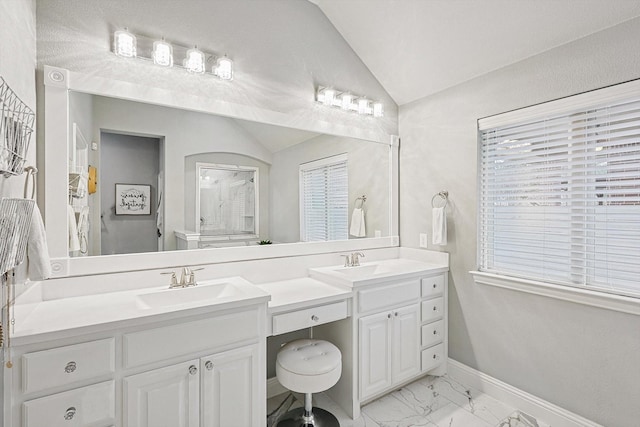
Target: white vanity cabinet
{"type": "Point", "coordinates": [213, 391]}
{"type": "Point", "coordinates": [204, 370]}
{"type": "Point", "coordinates": [389, 338]}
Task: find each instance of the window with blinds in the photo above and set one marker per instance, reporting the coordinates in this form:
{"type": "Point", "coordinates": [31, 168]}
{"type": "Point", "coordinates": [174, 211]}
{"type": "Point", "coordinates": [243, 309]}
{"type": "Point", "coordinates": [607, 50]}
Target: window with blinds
{"type": "Point", "coordinates": [324, 200]}
{"type": "Point", "coordinates": [560, 194]}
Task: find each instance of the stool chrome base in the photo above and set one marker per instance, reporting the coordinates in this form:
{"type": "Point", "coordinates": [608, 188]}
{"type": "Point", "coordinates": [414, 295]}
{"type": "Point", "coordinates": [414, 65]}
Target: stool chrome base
{"type": "Point", "coordinates": [319, 418]}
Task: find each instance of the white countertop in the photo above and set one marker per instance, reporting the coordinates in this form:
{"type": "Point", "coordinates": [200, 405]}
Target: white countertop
{"type": "Point", "coordinates": [303, 292]}
{"type": "Point", "coordinates": [52, 319]}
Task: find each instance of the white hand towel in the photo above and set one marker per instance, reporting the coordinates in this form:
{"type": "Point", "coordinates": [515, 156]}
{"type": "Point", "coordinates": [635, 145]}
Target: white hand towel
{"type": "Point", "coordinates": [357, 223]}
{"type": "Point", "coordinates": [74, 242]}
{"type": "Point", "coordinates": [439, 226]}
{"type": "Point", "coordinates": [37, 249]}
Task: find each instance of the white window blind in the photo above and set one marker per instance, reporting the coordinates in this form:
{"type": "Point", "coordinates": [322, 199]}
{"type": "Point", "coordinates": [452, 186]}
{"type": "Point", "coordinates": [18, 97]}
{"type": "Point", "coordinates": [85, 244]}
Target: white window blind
{"type": "Point", "coordinates": [324, 200]}
{"type": "Point", "coordinates": [560, 197]}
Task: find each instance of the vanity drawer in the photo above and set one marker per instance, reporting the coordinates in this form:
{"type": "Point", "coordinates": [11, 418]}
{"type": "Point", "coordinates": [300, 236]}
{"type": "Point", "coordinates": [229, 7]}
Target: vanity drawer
{"type": "Point", "coordinates": [432, 333]}
{"type": "Point", "coordinates": [308, 317]}
{"type": "Point", "coordinates": [86, 406]}
{"type": "Point", "coordinates": [65, 365]}
{"type": "Point", "coordinates": [432, 286]}
{"type": "Point", "coordinates": [388, 296]}
{"type": "Point", "coordinates": [432, 357]}
{"type": "Point", "coordinates": [432, 309]}
{"type": "Point", "coordinates": [185, 339]}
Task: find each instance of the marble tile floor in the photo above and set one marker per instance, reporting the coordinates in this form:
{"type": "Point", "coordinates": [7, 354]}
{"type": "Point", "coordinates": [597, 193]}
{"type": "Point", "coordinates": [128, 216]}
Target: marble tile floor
{"type": "Point", "coordinates": [429, 401]}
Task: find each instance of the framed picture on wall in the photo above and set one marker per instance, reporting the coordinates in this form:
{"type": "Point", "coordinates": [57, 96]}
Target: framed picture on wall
{"type": "Point", "coordinates": [133, 199]}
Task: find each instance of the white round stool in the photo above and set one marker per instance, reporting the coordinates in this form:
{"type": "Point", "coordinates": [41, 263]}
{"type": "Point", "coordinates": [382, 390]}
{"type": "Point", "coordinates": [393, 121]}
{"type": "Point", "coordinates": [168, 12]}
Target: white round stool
{"type": "Point", "coordinates": [308, 366]}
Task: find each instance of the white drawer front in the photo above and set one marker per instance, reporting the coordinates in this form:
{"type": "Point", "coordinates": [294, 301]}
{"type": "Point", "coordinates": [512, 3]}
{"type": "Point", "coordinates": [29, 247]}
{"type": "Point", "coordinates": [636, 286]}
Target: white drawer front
{"type": "Point", "coordinates": [65, 365]}
{"type": "Point", "coordinates": [388, 296]}
{"type": "Point", "coordinates": [432, 357]}
{"type": "Point", "coordinates": [92, 406]}
{"type": "Point", "coordinates": [308, 317]}
{"type": "Point", "coordinates": [432, 333]}
{"type": "Point", "coordinates": [432, 286]}
{"type": "Point", "coordinates": [155, 345]}
{"type": "Point", "coordinates": [432, 309]}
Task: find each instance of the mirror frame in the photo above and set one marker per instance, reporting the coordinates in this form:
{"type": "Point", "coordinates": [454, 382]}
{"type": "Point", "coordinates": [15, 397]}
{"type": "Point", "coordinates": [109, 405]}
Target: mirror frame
{"type": "Point", "coordinates": [57, 84]}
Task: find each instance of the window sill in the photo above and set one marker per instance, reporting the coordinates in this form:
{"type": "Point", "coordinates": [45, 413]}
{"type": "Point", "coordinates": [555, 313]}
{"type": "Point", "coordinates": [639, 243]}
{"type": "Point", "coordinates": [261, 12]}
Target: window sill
{"type": "Point", "coordinates": [580, 296]}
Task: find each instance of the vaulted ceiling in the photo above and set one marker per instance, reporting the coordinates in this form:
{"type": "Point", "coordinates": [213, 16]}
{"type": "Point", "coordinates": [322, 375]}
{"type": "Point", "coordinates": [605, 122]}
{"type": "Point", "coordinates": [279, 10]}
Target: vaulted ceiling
{"type": "Point", "coordinates": [419, 47]}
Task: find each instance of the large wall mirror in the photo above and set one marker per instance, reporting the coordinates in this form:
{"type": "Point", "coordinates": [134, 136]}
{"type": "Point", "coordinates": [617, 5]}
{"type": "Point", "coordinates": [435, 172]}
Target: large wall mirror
{"type": "Point", "coordinates": [207, 180]}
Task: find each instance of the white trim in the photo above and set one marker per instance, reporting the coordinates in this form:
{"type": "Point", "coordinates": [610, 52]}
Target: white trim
{"type": "Point", "coordinates": [274, 388]}
{"type": "Point", "coordinates": [540, 409]}
{"type": "Point", "coordinates": [559, 106]}
{"type": "Point", "coordinates": [566, 293]}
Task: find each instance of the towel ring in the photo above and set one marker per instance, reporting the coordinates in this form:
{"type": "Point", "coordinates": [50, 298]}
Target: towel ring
{"type": "Point", "coordinates": [444, 195]}
{"type": "Point", "coordinates": [362, 200]}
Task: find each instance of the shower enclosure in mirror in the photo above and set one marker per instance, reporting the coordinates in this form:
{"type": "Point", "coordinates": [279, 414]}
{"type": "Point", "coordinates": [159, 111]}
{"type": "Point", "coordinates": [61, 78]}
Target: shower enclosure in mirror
{"type": "Point", "coordinates": [227, 204]}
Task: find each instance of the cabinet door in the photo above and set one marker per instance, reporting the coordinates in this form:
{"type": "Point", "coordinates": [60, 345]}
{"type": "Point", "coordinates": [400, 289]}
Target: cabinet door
{"type": "Point", "coordinates": [165, 397]}
{"type": "Point", "coordinates": [230, 388]}
{"type": "Point", "coordinates": [375, 353]}
{"type": "Point", "coordinates": [405, 355]}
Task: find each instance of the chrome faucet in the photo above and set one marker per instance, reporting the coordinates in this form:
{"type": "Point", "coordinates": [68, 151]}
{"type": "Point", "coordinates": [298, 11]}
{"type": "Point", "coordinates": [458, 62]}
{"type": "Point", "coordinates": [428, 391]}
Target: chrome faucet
{"type": "Point", "coordinates": [347, 260]}
{"type": "Point", "coordinates": [355, 259]}
{"type": "Point", "coordinates": [188, 278]}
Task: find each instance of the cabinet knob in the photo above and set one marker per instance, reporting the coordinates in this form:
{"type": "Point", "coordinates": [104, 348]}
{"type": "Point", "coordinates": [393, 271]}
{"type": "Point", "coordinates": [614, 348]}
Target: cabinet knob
{"type": "Point", "coordinates": [435, 356]}
{"type": "Point", "coordinates": [435, 286]}
{"type": "Point", "coordinates": [315, 318]}
{"type": "Point", "coordinates": [71, 367]}
{"type": "Point", "coordinates": [435, 308]}
{"type": "Point", "coordinates": [70, 413]}
{"type": "Point", "coordinates": [389, 316]}
{"type": "Point", "coordinates": [395, 314]}
{"type": "Point", "coordinates": [435, 332]}
{"type": "Point", "coordinates": [193, 370]}
{"type": "Point", "coordinates": [209, 365]}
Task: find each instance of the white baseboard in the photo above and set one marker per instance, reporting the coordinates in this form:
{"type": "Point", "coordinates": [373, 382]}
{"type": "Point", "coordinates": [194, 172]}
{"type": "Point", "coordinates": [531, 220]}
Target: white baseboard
{"type": "Point", "coordinates": [540, 409]}
{"type": "Point", "coordinates": [274, 388]}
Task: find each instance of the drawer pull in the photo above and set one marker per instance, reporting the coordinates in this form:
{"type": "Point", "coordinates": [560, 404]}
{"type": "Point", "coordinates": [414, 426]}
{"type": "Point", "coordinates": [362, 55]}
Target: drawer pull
{"type": "Point", "coordinates": [435, 356]}
{"type": "Point", "coordinates": [315, 318]}
{"type": "Point", "coordinates": [435, 286]}
{"type": "Point", "coordinates": [389, 316]}
{"type": "Point", "coordinates": [435, 308]}
{"type": "Point", "coordinates": [71, 367]}
{"type": "Point", "coordinates": [435, 332]}
{"type": "Point", "coordinates": [70, 413]}
{"type": "Point", "coordinates": [193, 370]}
{"type": "Point", "coordinates": [396, 314]}
{"type": "Point", "coordinates": [209, 365]}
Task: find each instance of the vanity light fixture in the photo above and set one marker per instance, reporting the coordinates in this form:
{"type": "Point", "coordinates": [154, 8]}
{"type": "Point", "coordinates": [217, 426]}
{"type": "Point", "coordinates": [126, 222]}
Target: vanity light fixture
{"type": "Point", "coordinates": [165, 54]}
{"type": "Point", "coordinates": [162, 53]}
{"type": "Point", "coordinates": [124, 43]}
{"type": "Point", "coordinates": [349, 102]}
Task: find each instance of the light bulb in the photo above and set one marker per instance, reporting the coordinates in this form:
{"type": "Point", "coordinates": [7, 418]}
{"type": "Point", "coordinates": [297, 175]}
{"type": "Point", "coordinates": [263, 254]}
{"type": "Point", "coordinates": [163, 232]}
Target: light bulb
{"type": "Point", "coordinates": [378, 109]}
{"type": "Point", "coordinates": [346, 101]}
{"type": "Point", "coordinates": [124, 43]}
{"type": "Point", "coordinates": [363, 106]}
{"type": "Point", "coordinates": [224, 68]}
{"type": "Point", "coordinates": [162, 53]}
{"type": "Point", "coordinates": [329, 96]}
{"type": "Point", "coordinates": [194, 62]}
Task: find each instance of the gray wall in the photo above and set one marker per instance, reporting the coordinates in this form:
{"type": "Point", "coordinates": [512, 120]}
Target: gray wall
{"type": "Point", "coordinates": [368, 164]}
{"type": "Point", "coordinates": [581, 358]}
{"type": "Point", "coordinates": [127, 159]}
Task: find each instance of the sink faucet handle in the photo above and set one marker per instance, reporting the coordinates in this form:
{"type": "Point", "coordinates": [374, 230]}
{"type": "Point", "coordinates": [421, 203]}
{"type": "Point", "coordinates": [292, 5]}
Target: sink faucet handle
{"type": "Point", "coordinates": [355, 258]}
{"type": "Point", "coordinates": [173, 278]}
{"type": "Point", "coordinates": [347, 260]}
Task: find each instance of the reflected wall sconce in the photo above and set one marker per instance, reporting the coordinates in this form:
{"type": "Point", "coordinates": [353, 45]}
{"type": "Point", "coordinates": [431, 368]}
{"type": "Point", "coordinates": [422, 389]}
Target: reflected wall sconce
{"type": "Point", "coordinates": [162, 53]}
{"type": "Point", "coordinates": [349, 102]}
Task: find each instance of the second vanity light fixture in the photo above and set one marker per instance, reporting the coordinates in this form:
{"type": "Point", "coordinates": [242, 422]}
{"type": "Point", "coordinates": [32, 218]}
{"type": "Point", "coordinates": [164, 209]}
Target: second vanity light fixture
{"type": "Point", "coordinates": [349, 102]}
{"type": "Point", "coordinates": [125, 44]}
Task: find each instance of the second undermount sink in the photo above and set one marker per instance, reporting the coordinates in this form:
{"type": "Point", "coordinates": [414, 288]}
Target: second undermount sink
{"type": "Point", "coordinates": [201, 294]}
{"type": "Point", "coordinates": [359, 271]}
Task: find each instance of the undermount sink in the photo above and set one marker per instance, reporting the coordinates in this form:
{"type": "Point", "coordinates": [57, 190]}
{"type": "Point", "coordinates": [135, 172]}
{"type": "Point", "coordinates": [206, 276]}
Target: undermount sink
{"type": "Point", "coordinates": [200, 294]}
{"type": "Point", "coordinates": [359, 271]}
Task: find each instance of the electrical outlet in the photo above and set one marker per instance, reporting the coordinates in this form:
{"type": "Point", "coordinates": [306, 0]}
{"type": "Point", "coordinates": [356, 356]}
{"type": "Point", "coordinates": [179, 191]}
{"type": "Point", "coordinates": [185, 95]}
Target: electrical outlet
{"type": "Point", "coordinates": [423, 240]}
